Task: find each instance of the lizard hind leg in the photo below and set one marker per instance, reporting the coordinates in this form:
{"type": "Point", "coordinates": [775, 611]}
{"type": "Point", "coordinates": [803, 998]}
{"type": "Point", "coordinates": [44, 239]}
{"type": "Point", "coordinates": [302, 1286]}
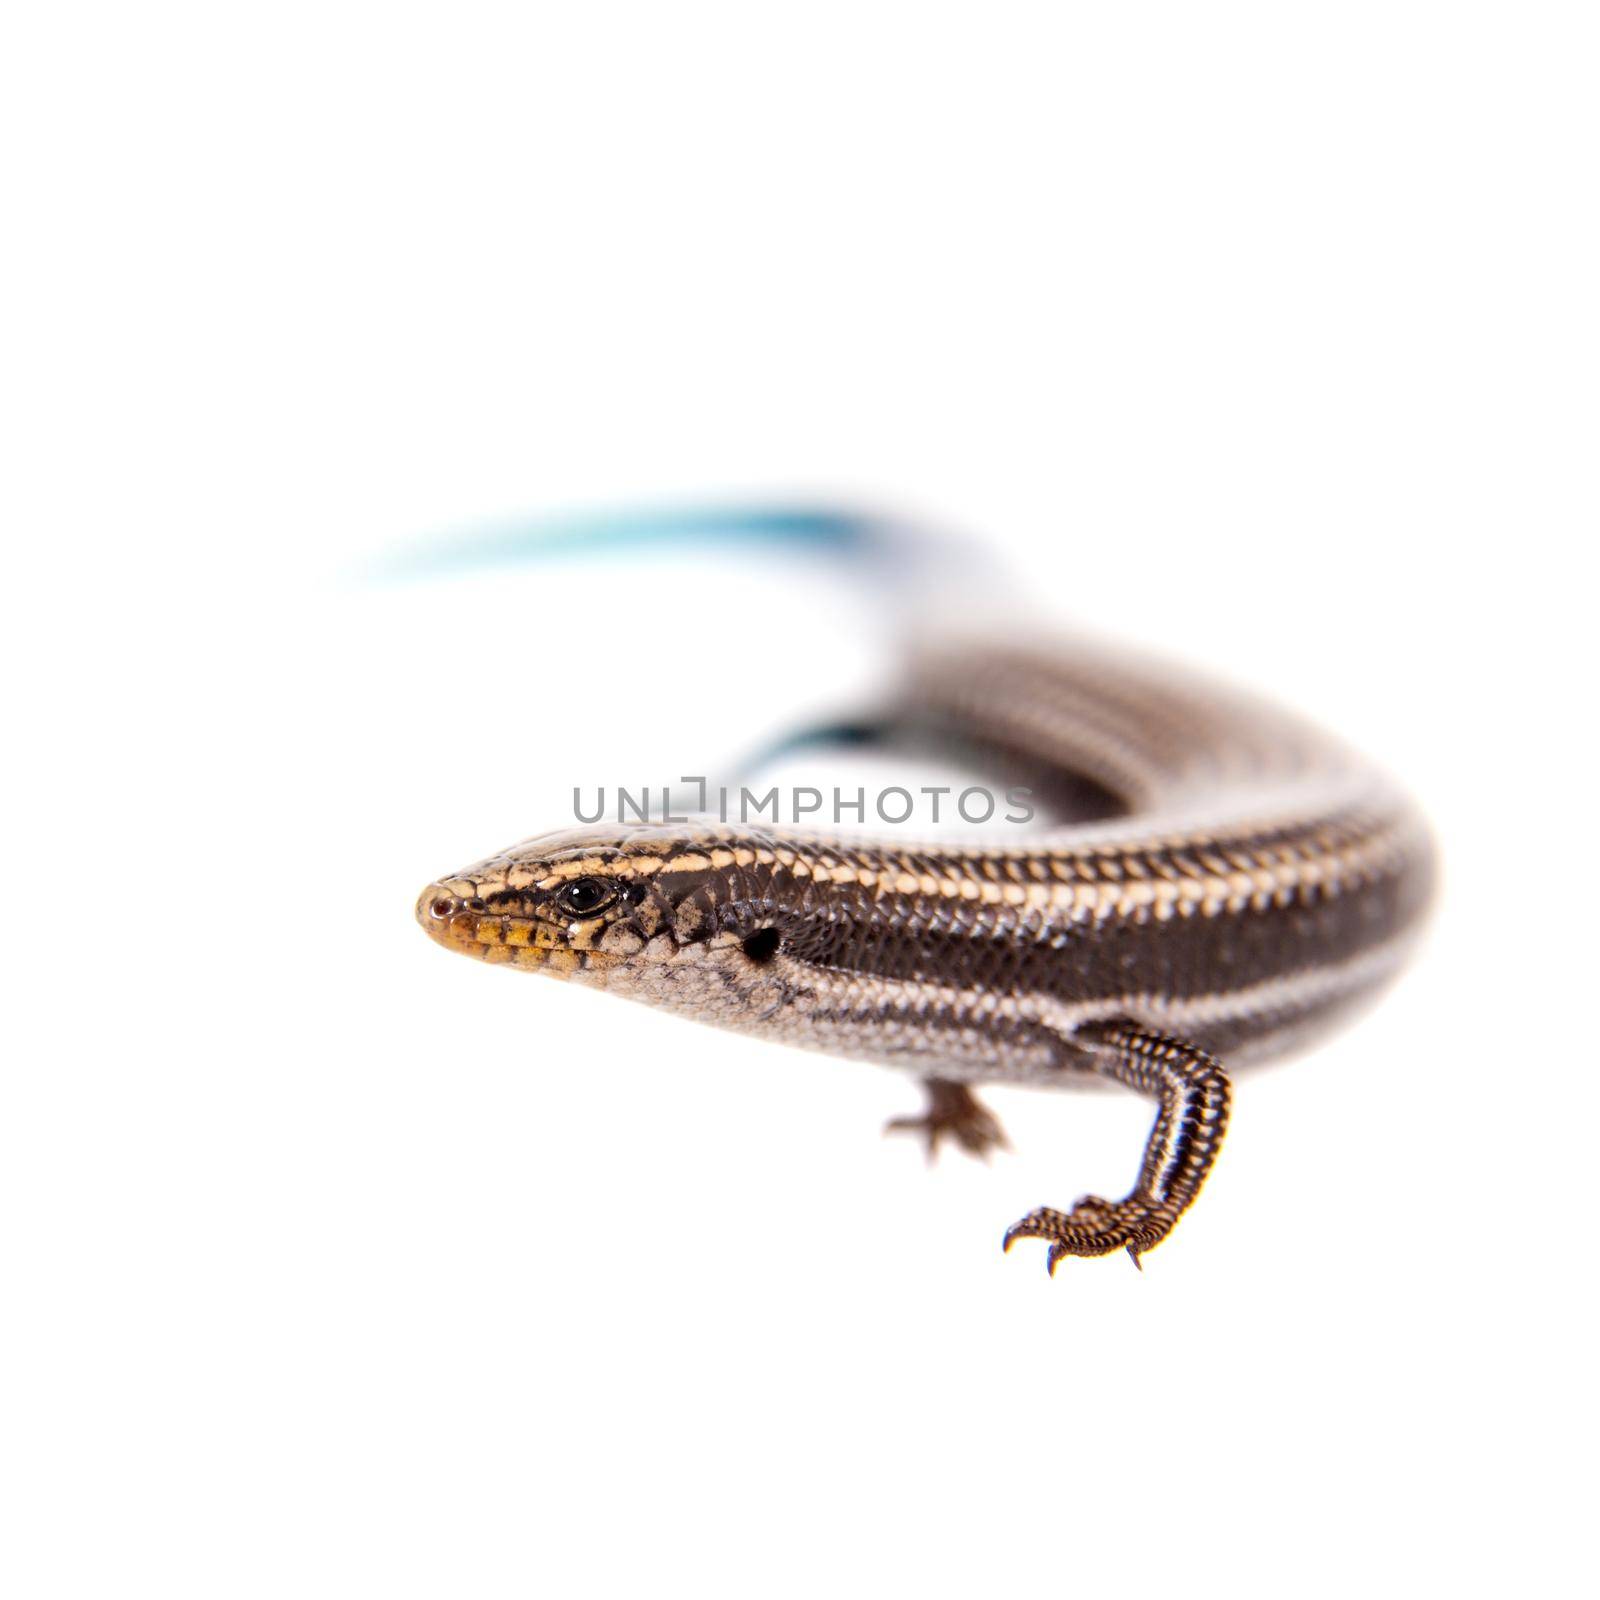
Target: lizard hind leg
{"type": "Point", "coordinates": [1193, 1093]}
{"type": "Point", "coordinates": [953, 1111]}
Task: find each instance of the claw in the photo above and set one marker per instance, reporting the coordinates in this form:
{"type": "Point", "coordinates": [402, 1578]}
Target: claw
{"type": "Point", "coordinates": [1094, 1227]}
{"type": "Point", "coordinates": [1029, 1227]}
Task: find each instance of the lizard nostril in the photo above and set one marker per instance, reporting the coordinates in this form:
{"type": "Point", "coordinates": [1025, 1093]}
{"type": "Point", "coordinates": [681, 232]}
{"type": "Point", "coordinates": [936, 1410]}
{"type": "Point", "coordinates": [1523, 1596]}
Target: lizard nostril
{"type": "Point", "coordinates": [441, 907]}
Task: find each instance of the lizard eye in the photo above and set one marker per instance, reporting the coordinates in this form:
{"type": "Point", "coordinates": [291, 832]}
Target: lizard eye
{"type": "Point", "coordinates": [584, 896]}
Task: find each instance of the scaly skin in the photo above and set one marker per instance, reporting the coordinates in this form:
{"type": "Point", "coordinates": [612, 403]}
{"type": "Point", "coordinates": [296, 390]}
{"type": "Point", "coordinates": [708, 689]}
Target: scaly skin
{"type": "Point", "coordinates": [1259, 885]}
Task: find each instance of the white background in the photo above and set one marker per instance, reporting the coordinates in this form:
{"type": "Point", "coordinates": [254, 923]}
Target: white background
{"type": "Point", "coordinates": [331, 1265]}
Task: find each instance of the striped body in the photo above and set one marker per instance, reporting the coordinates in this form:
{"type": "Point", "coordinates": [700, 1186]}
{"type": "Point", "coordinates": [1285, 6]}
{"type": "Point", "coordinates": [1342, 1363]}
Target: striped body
{"type": "Point", "coordinates": [1248, 882]}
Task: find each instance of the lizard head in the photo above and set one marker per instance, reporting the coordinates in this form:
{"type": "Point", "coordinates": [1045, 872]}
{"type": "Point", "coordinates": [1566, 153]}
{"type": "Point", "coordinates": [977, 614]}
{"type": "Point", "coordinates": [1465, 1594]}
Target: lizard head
{"type": "Point", "coordinates": [570, 903]}
{"type": "Point", "coordinates": [673, 915]}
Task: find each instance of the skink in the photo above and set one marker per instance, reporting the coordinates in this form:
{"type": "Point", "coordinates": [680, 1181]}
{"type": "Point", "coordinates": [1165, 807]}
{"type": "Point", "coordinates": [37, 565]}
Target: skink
{"type": "Point", "coordinates": [1249, 883]}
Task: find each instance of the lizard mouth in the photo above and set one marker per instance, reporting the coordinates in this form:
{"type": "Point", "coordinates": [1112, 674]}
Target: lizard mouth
{"type": "Point", "coordinates": [499, 938]}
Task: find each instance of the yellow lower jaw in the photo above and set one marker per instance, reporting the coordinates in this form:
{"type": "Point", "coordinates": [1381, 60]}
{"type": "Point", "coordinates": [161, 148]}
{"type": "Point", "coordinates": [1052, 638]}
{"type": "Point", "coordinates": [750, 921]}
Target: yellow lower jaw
{"type": "Point", "coordinates": [535, 958]}
{"type": "Point", "coordinates": [504, 942]}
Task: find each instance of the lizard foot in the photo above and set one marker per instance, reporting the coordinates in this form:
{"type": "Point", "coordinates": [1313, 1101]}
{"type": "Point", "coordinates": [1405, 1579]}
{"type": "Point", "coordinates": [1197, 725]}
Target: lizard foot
{"type": "Point", "coordinates": [1096, 1227]}
{"type": "Point", "coordinates": [953, 1111]}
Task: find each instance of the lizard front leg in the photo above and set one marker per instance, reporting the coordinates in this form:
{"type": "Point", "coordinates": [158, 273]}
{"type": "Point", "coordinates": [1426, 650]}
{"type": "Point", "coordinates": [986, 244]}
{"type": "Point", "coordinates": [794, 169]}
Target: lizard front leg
{"type": "Point", "coordinates": [955, 1111]}
{"type": "Point", "coordinates": [1193, 1092]}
